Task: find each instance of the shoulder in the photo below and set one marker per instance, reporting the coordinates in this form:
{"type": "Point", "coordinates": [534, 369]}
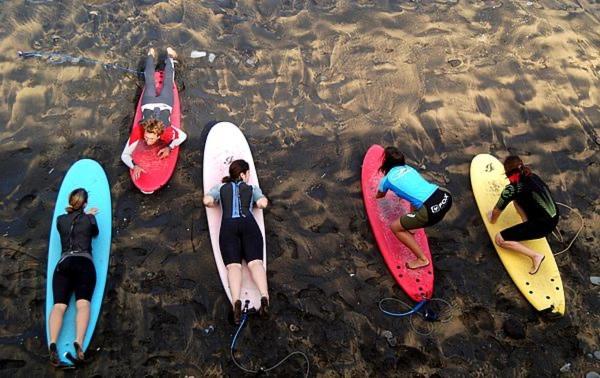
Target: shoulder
{"type": "Point", "coordinates": [509, 190]}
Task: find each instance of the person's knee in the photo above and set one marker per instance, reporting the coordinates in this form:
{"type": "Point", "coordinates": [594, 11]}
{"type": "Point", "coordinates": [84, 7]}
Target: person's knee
{"type": "Point", "coordinates": [500, 240]}
{"type": "Point", "coordinates": [254, 263]}
{"type": "Point", "coordinates": [60, 307]}
{"type": "Point", "coordinates": [82, 304]}
{"type": "Point", "coordinates": [397, 227]}
{"type": "Point", "coordinates": [234, 266]}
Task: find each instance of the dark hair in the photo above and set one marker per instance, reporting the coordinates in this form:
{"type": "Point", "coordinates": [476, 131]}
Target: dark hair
{"type": "Point", "coordinates": [513, 164]}
{"type": "Point", "coordinates": [236, 168]}
{"type": "Point", "coordinates": [77, 199]}
{"type": "Point", "coordinates": [153, 125]}
{"type": "Point", "coordinates": [392, 157]}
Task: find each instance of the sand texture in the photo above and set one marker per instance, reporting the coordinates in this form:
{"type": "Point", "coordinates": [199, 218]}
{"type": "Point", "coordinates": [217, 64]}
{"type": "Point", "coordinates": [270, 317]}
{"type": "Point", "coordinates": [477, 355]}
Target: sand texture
{"type": "Point", "coordinates": [312, 84]}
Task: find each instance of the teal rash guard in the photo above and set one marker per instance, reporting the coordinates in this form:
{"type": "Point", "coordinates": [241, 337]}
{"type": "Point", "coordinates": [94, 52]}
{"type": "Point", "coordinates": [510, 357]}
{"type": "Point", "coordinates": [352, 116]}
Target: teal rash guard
{"type": "Point", "coordinates": [407, 183]}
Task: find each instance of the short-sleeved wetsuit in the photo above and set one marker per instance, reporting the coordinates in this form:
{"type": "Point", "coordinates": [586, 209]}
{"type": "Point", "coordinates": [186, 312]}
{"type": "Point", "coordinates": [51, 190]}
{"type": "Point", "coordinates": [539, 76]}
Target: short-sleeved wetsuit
{"type": "Point", "coordinates": [239, 237]}
{"type": "Point", "coordinates": [534, 198]}
{"type": "Point", "coordinates": [431, 203]}
{"type": "Point", "coordinates": [75, 271]}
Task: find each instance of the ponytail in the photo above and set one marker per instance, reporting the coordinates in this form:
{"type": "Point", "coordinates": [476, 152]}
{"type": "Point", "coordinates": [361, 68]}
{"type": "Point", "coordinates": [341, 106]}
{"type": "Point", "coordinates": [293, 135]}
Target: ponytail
{"type": "Point", "coordinates": [77, 200]}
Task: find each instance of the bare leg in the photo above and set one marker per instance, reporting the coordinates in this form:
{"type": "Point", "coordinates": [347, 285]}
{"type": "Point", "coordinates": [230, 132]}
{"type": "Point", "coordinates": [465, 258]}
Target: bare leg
{"type": "Point", "coordinates": [259, 276]}
{"type": "Point", "coordinates": [536, 258]}
{"type": "Point", "coordinates": [234, 277]}
{"type": "Point", "coordinates": [56, 319]}
{"type": "Point", "coordinates": [409, 240]}
{"type": "Point", "coordinates": [82, 320]}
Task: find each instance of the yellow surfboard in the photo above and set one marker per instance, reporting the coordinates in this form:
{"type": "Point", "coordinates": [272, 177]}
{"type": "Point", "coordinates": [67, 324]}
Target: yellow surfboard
{"type": "Point", "coordinates": [544, 290]}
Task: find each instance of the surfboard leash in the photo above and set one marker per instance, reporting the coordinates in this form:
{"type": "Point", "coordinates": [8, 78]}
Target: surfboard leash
{"type": "Point", "coordinates": [560, 238]}
{"type": "Point", "coordinates": [423, 309]}
{"type": "Point", "coordinates": [261, 369]}
{"type": "Point", "coordinates": [59, 58]}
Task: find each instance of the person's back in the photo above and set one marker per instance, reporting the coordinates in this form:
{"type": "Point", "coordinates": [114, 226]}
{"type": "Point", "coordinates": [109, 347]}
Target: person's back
{"type": "Point", "coordinates": [533, 196]}
{"type": "Point", "coordinates": [76, 231]}
{"type": "Point", "coordinates": [407, 183]}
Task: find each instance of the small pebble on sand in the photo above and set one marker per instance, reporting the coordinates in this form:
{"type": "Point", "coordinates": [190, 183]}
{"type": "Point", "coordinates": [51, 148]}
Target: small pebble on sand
{"type": "Point", "coordinates": [566, 368]}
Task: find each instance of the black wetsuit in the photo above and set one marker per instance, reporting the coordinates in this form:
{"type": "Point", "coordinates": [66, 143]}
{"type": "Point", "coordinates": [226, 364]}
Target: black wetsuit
{"type": "Point", "coordinates": [534, 198]}
{"type": "Point", "coordinates": [240, 237]}
{"type": "Point", "coordinates": [75, 271]}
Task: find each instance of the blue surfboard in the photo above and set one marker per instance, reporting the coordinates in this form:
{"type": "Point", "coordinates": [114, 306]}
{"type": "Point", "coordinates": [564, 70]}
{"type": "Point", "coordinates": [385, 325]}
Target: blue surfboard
{"type": "Point", "coordinates": [87, 174]}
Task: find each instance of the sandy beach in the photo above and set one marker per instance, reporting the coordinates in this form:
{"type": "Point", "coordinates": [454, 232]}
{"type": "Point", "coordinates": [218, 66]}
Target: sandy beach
{"type": "Point", "coordinates": [312, 84]}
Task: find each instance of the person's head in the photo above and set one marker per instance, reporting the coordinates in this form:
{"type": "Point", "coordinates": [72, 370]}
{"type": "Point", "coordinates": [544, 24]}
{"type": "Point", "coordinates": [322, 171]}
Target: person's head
{"type": "Point", "coordinates": [392, 157]}
{"type": "Point", "coordinates": [153, 129]}
{"type": "Point", "coordinates": [514, 167]}
{"type": "Point", "coordinates": [238, 170]}
{"type": "Point", "coordinates": [77, 200]}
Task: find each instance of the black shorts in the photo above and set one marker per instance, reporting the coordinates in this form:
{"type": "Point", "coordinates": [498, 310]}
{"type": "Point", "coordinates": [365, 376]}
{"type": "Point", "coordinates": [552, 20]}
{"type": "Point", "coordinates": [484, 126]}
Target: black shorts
{"type": "Point", "coordinates": [433, 210]}
{"type": "Point", "coordinates": [531, 229]}
{"type": "Point", "coordinates": [74, 274]}
{"type": "Point", "coordinates": [240, 238]}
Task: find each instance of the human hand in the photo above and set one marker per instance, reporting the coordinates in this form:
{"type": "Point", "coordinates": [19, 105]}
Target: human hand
{"type": "Point", "coordinates": [208, 201]}
{"type": "Point", "coordinates": [93, 211]}
{"type": "Point", "coordinates": [262, 203]}
{"type": "Point", "coordinates": [137, 171]}
{"type": "Point", "coordinates": [164, 152]}
{"type": "Point", "coordinates": [490, 216]}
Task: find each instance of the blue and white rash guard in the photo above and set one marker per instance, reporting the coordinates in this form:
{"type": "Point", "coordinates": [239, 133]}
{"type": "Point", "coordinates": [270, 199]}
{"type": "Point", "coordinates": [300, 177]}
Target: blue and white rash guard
{"type": "Point", "coordinates": [407, 183]}
{"type": "Point", "coordinates": [237, 198]}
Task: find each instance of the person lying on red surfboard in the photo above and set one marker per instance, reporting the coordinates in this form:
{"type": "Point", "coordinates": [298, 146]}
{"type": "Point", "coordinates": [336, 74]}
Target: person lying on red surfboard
{"type": "Point", "coordinates": [430, 202]}
{"type": "Point", "coordinates": [156, 114]}
{"type": "Point", "coordinates": [534, 204]}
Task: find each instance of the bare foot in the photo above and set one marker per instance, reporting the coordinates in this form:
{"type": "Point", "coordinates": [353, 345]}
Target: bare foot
{"type": "Point", "coordinates": [152, 52]}
{"type": "Point", "coordinates": [418, 263]}
{"type": "Point", "coordinates": [537, 261]}
{"type": "Point", "coordinates": [171, 53]}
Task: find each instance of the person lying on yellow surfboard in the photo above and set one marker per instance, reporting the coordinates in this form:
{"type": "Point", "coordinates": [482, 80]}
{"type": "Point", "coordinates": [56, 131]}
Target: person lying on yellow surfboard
{"type": "Point", "coordinates": [534, 204]}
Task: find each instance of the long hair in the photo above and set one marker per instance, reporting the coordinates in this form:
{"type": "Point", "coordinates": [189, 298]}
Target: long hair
{"type": "Point", "coordinates": [236, 168]}
{"type": "Point", "coordinates": [513, 164]}
{"type": "Point", "coordinates": [77, 199]}
{"type": "Point", "coordinates": [392, 157]}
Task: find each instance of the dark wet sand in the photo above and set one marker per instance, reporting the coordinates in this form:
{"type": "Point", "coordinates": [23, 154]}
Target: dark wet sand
{"type": "Point", "coordinates": [312, 84]}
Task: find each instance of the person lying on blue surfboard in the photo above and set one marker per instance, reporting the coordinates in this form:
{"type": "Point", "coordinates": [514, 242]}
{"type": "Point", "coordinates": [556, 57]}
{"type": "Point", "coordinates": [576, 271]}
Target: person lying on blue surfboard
{"type": "Point", "coordinates": [535, 205]}
{"type": "Point", "coordinates": [75, 272]}
{"type": "Point", "coordinates": [240, 237]}
{"type": "Point", "coordinates": [430, 202]}
{"type": "Point", "coordinates": [156, 114]}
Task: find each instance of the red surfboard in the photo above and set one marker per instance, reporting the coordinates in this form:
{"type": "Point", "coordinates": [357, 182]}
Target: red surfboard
{"type": "Point", "coordinates": [158, 171]}
{"type": "Point", "coordinates": [417, 283]}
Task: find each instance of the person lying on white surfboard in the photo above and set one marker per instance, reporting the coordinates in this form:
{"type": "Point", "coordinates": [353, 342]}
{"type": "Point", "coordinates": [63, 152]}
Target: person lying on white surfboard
{"type": "Point", "coordinates": [430, 202]}
{"type": "Point", "coordinates": [534, 204]}
{"type": "Point", "coordinates": [156, 114]}
{"type": "Point", "coordinates": [240, 237]}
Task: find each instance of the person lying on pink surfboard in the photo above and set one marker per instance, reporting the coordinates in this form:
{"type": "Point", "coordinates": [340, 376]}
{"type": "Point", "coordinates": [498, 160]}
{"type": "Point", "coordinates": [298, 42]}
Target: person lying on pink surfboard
{"type": "Point", "coordinates": [430, 202]}
{"type": "Point", "coordinates": [156, 114]}
{"type": "Point", "coordinates": [240, 237]}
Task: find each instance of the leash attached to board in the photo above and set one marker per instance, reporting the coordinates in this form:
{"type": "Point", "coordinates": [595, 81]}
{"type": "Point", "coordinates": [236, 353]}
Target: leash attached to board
{"type": "Point", "coordinates": [62, 58]}
{"type": "Point", "coordinates": [243, 321]}
{"type": "Point", "coordinates": [423, 309]}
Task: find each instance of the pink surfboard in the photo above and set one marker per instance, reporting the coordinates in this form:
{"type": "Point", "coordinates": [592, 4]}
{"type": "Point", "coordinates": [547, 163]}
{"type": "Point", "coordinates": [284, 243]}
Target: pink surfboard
{"type": "Point", "coordinates": [417, 283]}
{"type": "Point", "coordinates": [158, 171]}
{"type": "Point", "coordinates": [224, 144]}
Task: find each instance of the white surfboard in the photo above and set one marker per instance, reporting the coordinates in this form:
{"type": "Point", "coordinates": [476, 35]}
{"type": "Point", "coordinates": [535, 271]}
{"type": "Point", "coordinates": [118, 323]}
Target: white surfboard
{"type": "Point", "coordinates": [224, 144]}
